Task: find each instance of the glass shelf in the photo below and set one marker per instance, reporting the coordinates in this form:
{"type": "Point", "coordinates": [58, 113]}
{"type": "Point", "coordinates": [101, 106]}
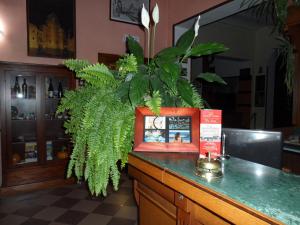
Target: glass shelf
{"type": "Point", "coordinates": [24, 152]}
{"type": "Point", "coordinates": [23, 120]}
{"type": "Point", "coordinates": [57, 144]}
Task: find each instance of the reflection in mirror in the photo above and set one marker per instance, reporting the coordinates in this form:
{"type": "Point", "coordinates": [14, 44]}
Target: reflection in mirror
{"type": "Point", "coordinates": [253, 52]}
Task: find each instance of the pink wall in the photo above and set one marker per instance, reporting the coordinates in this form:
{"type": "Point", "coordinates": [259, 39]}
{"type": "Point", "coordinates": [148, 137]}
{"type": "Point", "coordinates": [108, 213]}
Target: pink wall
{"type": "Point", "coordinates": [95, 32]}
{"type": "Point", "coordinates": [181, 10]}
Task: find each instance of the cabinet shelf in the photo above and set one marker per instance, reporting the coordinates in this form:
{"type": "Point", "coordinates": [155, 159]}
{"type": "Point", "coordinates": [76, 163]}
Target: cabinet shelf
{"type": "Point", "coordinates": [23, 99]}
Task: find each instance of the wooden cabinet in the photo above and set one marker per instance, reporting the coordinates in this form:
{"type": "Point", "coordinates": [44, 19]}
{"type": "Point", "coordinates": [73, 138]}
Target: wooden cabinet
{"type": "Point", "coordinates": [161, 205]}
{"type": "Point", "coordinates": [164, 197]}
{"type": "Point", "coordinates": [34, 145]}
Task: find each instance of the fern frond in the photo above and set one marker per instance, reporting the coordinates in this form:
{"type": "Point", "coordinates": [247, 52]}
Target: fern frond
{"type": "Point", "coordinates": [76, 64]}
{"type": "Point", "coordinates": [97, 75]}
{"type": "Point", "coordinates": [127, 64]}
{"type": "Point", "coordinates": [154, 102]}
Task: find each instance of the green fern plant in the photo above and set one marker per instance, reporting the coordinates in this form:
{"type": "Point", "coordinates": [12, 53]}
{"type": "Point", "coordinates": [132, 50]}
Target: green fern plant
{"type": "Point", "coordinates": [101, 122]}
{"type": "Point", "coordinates": [101, 126]}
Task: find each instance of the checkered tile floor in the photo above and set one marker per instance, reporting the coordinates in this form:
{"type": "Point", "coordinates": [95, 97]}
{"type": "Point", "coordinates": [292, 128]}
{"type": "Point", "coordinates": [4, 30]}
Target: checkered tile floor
{"type": "Point", "coordinates": [71, 205]}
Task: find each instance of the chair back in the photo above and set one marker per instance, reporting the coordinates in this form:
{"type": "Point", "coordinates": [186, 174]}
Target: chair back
{"type": "Point", "coordinates": [260, 146]}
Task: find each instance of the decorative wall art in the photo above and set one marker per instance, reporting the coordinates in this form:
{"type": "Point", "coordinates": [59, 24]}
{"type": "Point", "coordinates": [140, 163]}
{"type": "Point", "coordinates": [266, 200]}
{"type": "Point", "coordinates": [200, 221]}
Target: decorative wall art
{"type": "Point", "coordinates": [174, 130]}
{"type": "Point", "coordinates": [51, 28]}
{"type": "Point", "coordinates": [127, 11]}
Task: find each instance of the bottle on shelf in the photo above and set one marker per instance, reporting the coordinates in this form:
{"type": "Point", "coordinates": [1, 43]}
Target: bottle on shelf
{"type": "Point", "coordinates": [60, 90]}
{"type": "Point", "coordinates": [24, 88]}
{"type": "Point", "coordinates": [50, 89]}
{"type": "Point", "coordinates": [17, 90]}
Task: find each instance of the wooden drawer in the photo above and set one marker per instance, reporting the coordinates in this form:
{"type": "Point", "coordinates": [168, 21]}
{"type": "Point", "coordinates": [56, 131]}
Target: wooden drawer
{"type": "Point", "coordinates": [156, 186]}
{"type": "Point", "coordinates": [201, 216]}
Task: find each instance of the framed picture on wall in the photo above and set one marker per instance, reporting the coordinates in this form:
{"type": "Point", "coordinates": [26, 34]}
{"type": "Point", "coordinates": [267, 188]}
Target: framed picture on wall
{"type": "Point", "coordinates": [128, 11]}
{"type": "Point", "coordinates": [51, 28]}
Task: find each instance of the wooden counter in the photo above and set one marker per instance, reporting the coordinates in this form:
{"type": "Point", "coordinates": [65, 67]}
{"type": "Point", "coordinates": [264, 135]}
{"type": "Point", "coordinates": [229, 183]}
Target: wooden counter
{"type": "Point", "coordinates": [166, 194]}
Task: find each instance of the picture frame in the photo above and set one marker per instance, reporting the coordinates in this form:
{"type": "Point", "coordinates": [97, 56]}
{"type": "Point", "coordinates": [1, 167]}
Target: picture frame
{"type": "Point", "coordinates": [51, 28]}
{"type": "Point", "coordinates": [174, 130]}
{"type": "Point", "coordinates": [127, 11]}
{"type": "Point", "coordinates": [186, 69]}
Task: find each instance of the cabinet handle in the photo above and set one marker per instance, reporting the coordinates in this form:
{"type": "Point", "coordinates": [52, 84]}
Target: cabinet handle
{"type": "Point", "coordinates": [180, 197]}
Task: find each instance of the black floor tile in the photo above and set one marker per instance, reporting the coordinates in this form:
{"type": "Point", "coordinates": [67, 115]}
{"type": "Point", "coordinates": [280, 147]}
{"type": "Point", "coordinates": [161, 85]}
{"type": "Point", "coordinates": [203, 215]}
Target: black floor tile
{"type": "Point", "coordinates": [60, 191]}
{"type": "Point", "coordinates": [107, 209]}
{"type": "Point", "coordinates": [71, 217]}
{"type": "Point", "coordinates": [29, 210]}
{"type": "Point", "coordinates": [30, 207]}
{"type": "Point", "coordinates": [65, 202]}
{"type": "Point", "coordinates": [94, 198]}
{"type": "Point", "coordinates": [33, 221]}
{"type": "Point", "coordinates": [2, 215]}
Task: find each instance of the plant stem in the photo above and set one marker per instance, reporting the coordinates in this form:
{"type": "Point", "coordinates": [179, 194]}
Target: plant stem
{"type": "Point", "coordinates": [185, 55]}
{"type": "Point", "coordinates": [153, 41]}
{"type": "Point", "coordinates": [148, 36]}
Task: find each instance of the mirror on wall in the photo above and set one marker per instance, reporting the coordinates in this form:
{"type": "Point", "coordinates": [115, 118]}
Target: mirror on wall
{"type": "Point", "coordinates": [247, 100]}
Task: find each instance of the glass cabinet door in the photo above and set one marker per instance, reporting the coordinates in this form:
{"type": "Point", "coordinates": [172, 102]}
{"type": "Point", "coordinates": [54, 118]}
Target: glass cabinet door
{"type": "Point", "coordinates": [57, 142]}
{"type": "Point", "coordinates": [23, 117]}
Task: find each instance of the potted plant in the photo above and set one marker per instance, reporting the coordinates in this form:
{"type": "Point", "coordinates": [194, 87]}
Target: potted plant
{"type": "Point", "coordinates": [101, 121]}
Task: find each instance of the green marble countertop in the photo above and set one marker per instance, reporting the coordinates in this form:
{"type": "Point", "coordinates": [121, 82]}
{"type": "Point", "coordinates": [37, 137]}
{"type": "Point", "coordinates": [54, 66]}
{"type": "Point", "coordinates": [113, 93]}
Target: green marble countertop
{"type": "Point", "coordinates": [265, 189]}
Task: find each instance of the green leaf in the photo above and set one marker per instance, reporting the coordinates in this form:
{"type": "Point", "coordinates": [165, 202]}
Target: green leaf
{"type": "Point", "coordinates": [137, 90]}
{"type": "Point", "coordinates": [185, 41]}
{"type": "Point", "coordinates": [168, 100]}
{"type": "Point", "coordinates": [123, 91]}
{"type": "Point", "coordinates": [173, 69]}
{"type": "Point", "coordinates": [169, 78]}
{"type": "Point", "coordinates": [154, 102]}
{"type": "Point", "coordinates": [211, 77]}
{"type": "Point", "coordinates": [156, 82]}
{"type": "Point", "coordinates": [207, 49]}
{"type": "Point", "coordinates": [169, 54]}
{"type": "Point", "coordinates": [185, 91]}
{"type": "Point", "coordinates": [135, 49]}
{"type": "Point", "coordinates": [196, 98]}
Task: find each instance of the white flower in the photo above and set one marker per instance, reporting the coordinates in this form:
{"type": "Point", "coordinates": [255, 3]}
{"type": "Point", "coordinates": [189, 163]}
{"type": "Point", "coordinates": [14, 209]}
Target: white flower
{"type": "Point", "coordinates": [145, 17]}
{"type": "Point", "coordinates": [196, 26]}
{"type": "Point", "coordinates": [155, 14]}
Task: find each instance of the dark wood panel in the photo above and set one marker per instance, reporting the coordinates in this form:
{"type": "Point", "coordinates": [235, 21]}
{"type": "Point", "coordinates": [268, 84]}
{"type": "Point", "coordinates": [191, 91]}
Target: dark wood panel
{"type": "Point", "coordinates": [13, 190]}
{"type": "Point", "coordinates": [36, 173]}
{"type": "Point", "coordinates": [291, 162]}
